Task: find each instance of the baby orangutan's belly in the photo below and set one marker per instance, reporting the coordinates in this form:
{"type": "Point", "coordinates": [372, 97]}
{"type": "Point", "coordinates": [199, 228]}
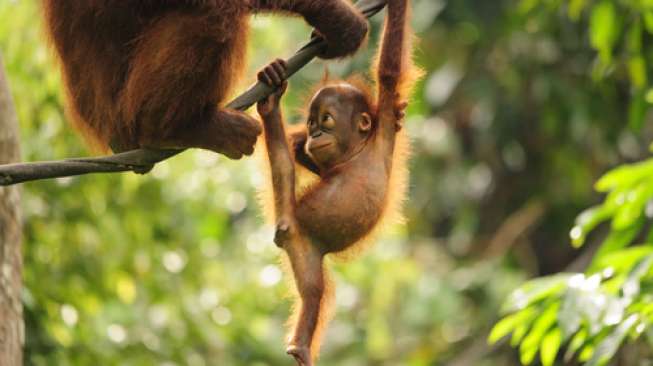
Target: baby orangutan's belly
{"type": "Point", "coordinates": [337, 219]}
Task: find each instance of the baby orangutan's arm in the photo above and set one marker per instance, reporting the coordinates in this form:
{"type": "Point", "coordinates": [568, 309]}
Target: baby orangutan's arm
{"type": "Point", "coordinates": [282, 165]}
{"type": "Point", "coordinates": [394, 64]}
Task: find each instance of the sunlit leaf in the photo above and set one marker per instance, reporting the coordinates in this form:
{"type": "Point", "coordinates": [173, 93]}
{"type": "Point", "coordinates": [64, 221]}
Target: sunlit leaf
{"type": "Point", "coordinates": [610, 344]}
{"type": "Point", "coordinates": [526, 6]}
{"type": "Point", "coordinates": [618, 239]}
{"type": "Point", "coordinates": [614, 311]}
{"type": "Point", "coordinates": [575, 8]}
{"type": "Point", "coordinates": [535, 290]}
{"type": "Point", "coordinates": [530, 344]}
{"type": "Point", "coordinates": [584, 302]}
{"type": "Point", "coordinates": [631, 286]}
{"type": "Point", "coordinates": [634, 205]}
{"type": "Point", "coordinates": [571, 313]}
{"type": "Point", "coordinates": [638, 106]}
{"type": "Point", "coordinates": [586, 353]}
{"type": "Point", "coordinates": [604, 28]}
{"type": "Point", "coordinates": [509, 323]}
{"type": "Point", "coordinates": [586, 222]}
{"type": "Point", "coordinates": [577, 341]}
{"type": "Point", "coordinates": [648, 21]}
{"type": "Point", "coordinates": [637, 71]}
{"type": "Point", "coordinates": [649, 96]}
{"type": "Point", "coordinates": [624, 176]}
{"type": "Point", "coordinates": [527, 353]}
{"type": "Point", "coordinates": [634, 40]}
{"type": "Point", "coordinates": [550, 346]}
{"type": "Point", "coordinates": [624, 259]}
{"type": "Point", "coordinates": [519, 333]}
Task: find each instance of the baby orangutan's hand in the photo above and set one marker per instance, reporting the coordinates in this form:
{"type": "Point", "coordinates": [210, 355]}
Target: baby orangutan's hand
{"type": "Point", "coordinates": [273, 75]}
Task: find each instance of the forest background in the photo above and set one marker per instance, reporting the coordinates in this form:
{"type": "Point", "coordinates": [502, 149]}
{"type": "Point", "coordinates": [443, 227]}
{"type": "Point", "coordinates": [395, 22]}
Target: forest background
{"type": "Point", "coordinates": [524, 106]}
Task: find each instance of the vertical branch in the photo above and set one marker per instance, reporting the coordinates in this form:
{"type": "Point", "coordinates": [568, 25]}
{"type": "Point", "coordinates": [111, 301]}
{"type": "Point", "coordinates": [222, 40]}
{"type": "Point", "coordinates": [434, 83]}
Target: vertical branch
{"type": "Point", "coordinates": [12, 332]}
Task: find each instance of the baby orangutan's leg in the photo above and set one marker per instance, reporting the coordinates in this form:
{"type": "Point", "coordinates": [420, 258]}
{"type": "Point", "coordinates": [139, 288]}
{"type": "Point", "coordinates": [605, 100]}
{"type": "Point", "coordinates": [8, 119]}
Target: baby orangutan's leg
{"type": "Point", "coordinates": [312, 310]}
{"type": "Point", "coordinates": [306, 259]}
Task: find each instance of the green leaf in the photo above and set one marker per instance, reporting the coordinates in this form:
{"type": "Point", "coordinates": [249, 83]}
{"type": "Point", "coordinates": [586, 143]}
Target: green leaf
{"type": "Point", "coordinates": [625, 259]}
{"type": "Point", "coordinates": [535, 290]}
{"type": "Point", "coordinates": [584, 302]}
{"type": "Point", "coordinates": [604, 29]}
{"type": "Point", "coordinates": [526, 6]}
{"type": "Point", "coordinates": [509, 323]}
{"type": "Point", "coordinates": [614, 311]}
{"type": "Point", "coordinates": [616, 240]}
{"type": "Point", "coordinates": [519, 334]}
{"type": "Point", "coordinates": [634, 39]}
{"type": "Point", "coordinates": [550, 346]}
{"type": "Point", "coordinates": [586, 221]}
{"type": "Point", "coordinates": [586, 353]}
{"type": "Point", "coordinates": [527, 354]}
{"type": "Point", "coordinates": [643, 305]}
{"type": "Point", "coordinates": [610, 344]}
{"type": "Point", "coordinates": [631, 286]}
{"type": "Point", "coordinates": [638, 106]}
{"type": "Point", "coordinates": [648, 21]}
{"type": "Point", "coordinates": [529, 346]}
{"type": "Point", "coordinates": [649, 96]}
{"type": "Point", "coordinates": [649, 237]}
{"type": "Point", "coordinates": [637, 72]}
{"type": "Point", "coordinates": [634, 206]}
{"type": "Point", "coordinates": [575, 344]}
{"type": "Point", "coordinates": [571, 312]}
{"type": "Point", "coordinates": [576, 7]}
{"type": "Point", "coordinates": [625, 176]}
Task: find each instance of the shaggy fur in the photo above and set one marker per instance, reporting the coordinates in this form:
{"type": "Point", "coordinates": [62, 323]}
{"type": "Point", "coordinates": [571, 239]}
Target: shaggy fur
{"type": "Point", "coordinates": [146, 72]}
{"type": "Point", "coordinates": [338, 210]}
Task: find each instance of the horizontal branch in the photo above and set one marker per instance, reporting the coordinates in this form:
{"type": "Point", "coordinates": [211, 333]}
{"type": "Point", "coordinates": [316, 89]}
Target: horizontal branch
{"type": "Point", "coordinates": [143, 160]}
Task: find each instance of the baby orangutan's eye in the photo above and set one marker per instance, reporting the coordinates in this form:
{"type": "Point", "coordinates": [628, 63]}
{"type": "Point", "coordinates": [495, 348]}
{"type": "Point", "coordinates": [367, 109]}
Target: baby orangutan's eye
{"type": "Point", "coordinates": [328, 121]}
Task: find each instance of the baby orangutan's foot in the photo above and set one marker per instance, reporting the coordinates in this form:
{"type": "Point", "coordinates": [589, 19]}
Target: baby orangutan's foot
{"type": "Point", "coordinates": [301, 354]}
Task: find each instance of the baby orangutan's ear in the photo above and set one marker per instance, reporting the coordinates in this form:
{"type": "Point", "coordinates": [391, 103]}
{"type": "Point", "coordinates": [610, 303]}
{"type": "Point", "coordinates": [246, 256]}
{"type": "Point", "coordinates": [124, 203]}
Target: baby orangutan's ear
{"type": "Point", "coordinates": [364, 122]}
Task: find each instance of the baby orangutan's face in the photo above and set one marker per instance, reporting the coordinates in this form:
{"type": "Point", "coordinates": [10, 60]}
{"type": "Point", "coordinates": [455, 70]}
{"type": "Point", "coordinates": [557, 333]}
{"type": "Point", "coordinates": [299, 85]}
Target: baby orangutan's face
{"type": "Point", "coordinates": [338, 123]}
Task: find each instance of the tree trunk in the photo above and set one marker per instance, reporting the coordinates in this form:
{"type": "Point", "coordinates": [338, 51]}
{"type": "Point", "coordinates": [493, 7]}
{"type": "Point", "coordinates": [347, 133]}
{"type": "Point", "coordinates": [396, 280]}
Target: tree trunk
{"type": "Point", "coordinates": [12, 330]}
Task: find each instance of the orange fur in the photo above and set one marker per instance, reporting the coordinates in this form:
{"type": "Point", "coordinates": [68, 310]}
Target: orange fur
{"type": "Point", "coordinates": [395, 80]}
{"type": "Point", "coordinates": [154, 73]}
{"type": "Point", "coordinates": [326, 305]}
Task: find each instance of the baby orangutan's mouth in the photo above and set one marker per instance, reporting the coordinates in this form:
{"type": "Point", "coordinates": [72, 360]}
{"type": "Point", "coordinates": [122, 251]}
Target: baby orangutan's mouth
{"type": "Point", "coordinates": [321, 146]}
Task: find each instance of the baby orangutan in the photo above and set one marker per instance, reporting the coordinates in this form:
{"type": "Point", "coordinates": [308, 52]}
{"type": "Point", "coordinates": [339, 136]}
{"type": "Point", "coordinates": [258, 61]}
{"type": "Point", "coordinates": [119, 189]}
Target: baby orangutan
{"type": "Point", "coordinates": [350, 142]}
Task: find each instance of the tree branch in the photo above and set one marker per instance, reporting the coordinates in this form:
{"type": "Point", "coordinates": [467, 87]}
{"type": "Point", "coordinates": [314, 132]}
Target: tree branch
{"type": "Point", "coordinates": [141, 161]}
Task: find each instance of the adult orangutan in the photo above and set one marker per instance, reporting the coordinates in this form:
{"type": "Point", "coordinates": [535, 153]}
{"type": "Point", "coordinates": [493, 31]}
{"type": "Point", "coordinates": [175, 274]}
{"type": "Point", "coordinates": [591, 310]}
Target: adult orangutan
{"type": "Point", "coordinates": [148, 73]}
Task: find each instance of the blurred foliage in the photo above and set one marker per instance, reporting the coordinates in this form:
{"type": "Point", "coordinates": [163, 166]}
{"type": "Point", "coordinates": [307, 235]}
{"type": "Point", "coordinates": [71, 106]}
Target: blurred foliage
{"type": "Point", "coordinates": [525, 104]}
{"type": "Point", "coordinates": [597, 313]}
{"type": "Point", "coordinates": [592, 314]}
